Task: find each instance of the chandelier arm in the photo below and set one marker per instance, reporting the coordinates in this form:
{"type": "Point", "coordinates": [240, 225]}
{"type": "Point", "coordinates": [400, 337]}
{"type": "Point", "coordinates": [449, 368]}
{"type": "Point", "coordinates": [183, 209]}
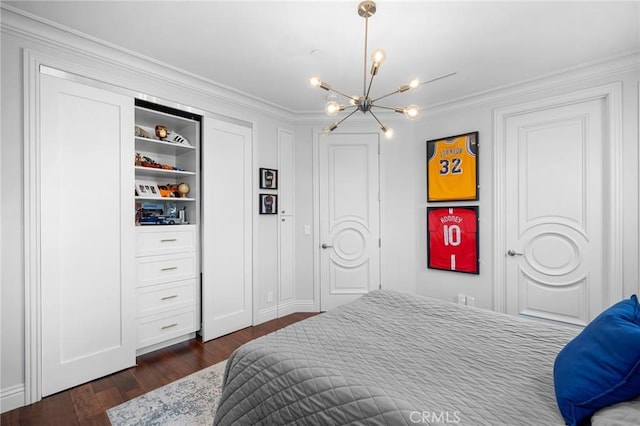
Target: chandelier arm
{"type": "Point", "coordinates": [331, 89]}
{"type": "Point", "coordinates": [347, 116]}
{"type": "Point", "coordinates": [376, 118]}
{"type": "Point", "coordinates": [383, 107]}
{"type": "Point", "coordinates": [387, 95]}
{"type": "Point", "coordinates": [370, 84]}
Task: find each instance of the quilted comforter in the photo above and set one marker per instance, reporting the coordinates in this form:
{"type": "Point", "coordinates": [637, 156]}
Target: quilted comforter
{"type": "Point", "coordinates": [391, 358]}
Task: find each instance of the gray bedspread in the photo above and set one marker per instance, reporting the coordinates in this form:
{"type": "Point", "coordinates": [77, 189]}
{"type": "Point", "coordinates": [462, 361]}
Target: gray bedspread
{"type": "Point", "coordinates": [391, 358]}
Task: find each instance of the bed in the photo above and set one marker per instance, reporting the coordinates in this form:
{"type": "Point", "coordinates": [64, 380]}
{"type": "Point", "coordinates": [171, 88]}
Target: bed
{"type": "Point", "coordinates": [392, 358]}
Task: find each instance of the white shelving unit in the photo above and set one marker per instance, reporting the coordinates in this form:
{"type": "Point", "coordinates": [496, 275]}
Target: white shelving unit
{"type": "Point", "coordinates": [179, 162]}
{"type": "Point", "coordinates": [167, 255]}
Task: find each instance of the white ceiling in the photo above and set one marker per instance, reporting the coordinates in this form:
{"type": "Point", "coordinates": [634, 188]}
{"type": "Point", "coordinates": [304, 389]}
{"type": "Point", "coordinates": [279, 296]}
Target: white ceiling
{"type": "Point", "coordinates": [264, 48]}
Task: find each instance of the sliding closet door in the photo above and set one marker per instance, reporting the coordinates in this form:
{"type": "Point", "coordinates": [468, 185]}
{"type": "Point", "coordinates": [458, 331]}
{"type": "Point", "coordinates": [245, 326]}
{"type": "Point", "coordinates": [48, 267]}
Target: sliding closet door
{"type": "Point", "coordinates": [86, 216]}
{"type": "Point", "coordinates": [226, 228]}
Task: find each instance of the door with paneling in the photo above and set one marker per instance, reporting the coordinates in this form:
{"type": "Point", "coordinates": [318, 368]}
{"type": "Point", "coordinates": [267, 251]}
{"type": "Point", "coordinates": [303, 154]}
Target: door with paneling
{"type": "Point", "coordinates": [227, 287]}
{"type": "Point", "coordinates": [349, 217]}
{"type": "Point", "coordinates": [86, 233]}
{"type": "Point", "coordinates": [555, 212]}
{"type": "Point", "coordinates": [286, 224]}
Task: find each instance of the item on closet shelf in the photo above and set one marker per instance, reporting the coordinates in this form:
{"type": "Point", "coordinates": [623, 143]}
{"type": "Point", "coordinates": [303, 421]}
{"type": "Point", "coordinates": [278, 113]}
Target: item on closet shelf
{"type": "Point", "coordinates": [140, 132]}
{"type": "Point", "coordinates": [148, 162]}
{"type": "Point", "coordinates": [138, 161]}
{"type": "Point", "coordinates": [161, 132]}
{"type": "Point", "coordinates": [176, 138]}
{"type": "Point", "coordinates": [150, 214]}
{"type": "Point", "coordinates": [164, 190]}
{"type": "Point", "coordinates": [178, 190]}
{"type": "Point", "coordinates": [147, 189]}
{"type": "Point", "coordinates": [183, 189]}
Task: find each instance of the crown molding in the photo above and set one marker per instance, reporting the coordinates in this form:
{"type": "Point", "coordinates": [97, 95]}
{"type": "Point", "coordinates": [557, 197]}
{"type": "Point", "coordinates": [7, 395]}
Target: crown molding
{"type": "Point", "coordinates": [53, 35]}
{"type": "Point", "coordinates": [24, 25]}
{"type": "Point", "coordinates": [607, 67]}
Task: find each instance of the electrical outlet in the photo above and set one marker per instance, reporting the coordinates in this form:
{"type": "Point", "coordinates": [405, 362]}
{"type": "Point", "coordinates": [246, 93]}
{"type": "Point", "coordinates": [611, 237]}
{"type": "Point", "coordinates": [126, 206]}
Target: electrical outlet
{"type": "Point", "coordinates": [471, 301]}
{"type": "Point", "coordinates": [462, 299]}
{"type": "Point", "coordinates": [269, 296]}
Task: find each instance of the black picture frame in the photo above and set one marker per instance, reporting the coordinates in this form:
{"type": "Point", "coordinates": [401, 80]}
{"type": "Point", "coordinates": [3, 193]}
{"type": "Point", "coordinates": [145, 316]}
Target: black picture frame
{"type": "Point", "coordinates": [453, 242]}
{"type": "Point", "coordinates": [452, 168]}
{"type": "Point", "coordinates": [268, 204]}
{"type": "Point", "coordinates": [268, 178]}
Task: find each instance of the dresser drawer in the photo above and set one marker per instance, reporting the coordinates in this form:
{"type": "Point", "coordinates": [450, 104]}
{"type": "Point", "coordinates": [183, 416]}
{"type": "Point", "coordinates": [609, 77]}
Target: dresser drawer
{"type": "Point", "coordinates": [158, 328]}
{"type": "Point", "coordinates": [165, 297]}
{"type": "Point", "coordinates": [164, 269]}
{"type": "Point", "coordinates": [165, 239]}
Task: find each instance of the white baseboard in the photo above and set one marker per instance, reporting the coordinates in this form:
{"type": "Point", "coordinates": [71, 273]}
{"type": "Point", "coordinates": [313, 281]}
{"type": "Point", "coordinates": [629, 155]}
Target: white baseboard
{"type": "Point", "coordinates": [266, 314]}
{"type": "Point", "coordinates": [284, 309]}
{"type": "Point", "coordinates": [306, 306]}
{"type": "Point", "coordinates": [11, 398]}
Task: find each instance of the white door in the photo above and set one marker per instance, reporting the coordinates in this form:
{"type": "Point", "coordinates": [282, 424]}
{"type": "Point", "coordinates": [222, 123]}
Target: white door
{"type": "Point", "coordinates": [226, 228]}
{"type": "Point", "coordinates": [349, 217]}
{"type": "Point", "coordinates": [555, 217]}
{"type": "Point", "coordinates": [86, 213]}
{"type": "Point", "coordinates": [286, 226]}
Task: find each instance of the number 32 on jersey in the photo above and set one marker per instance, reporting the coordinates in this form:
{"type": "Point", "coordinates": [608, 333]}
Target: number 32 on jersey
{"type": "Point", "coordinates": [452, 239]}
{"type": "Point", "coordinates": [452, 165]}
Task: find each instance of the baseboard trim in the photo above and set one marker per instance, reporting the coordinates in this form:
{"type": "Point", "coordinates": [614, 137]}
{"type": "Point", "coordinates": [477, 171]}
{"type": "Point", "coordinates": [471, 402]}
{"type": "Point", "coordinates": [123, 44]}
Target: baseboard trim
{"type": "Point", "coordinates": [266, 314]}
{"type": "Point", "coordinates": [164, 344]}
{"type": "Point", "coordinates": [11, 398]}
{"type": "Point", "coordinates": [285, 309]}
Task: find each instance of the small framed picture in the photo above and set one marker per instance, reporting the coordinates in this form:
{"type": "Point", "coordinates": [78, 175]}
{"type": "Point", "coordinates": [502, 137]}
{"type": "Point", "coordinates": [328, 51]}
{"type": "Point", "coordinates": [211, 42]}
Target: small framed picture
{"type": "Point", "coordinates": [268, 204]}
{"type": "Point", "coordinates": [268, 179]}
{"type": "Point", "coordinates": [146, 189]}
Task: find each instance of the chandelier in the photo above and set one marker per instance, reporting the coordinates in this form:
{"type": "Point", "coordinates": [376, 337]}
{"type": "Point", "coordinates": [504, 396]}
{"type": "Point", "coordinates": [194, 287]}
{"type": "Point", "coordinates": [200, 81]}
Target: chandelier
{"type": "Point", "coordinates": [365, 103]}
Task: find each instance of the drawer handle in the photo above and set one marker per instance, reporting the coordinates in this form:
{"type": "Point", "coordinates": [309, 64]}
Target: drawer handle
{"type": "Point", "coordinates": [169, 297]}
{"type": "Point", "coordinates": [170, 268]}
{"type": "Point", "coordinates": [168, 326]}
{"type": "Point", "coordinates": [168, 240]}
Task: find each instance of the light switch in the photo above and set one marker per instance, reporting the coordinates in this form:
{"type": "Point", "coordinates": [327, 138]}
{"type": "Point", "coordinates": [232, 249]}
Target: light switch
{"type": "Point", "coordinates": [307, 230]}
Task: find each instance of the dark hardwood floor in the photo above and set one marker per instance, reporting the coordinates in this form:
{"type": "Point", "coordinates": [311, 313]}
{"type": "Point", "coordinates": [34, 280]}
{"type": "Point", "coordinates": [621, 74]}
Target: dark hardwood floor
{"type": "Point", "coordinates": [87, 404]}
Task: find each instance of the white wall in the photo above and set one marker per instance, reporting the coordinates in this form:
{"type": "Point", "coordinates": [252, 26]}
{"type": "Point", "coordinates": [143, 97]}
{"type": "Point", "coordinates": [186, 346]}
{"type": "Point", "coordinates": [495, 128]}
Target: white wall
{"type": "Point", "coordinates": [477, 114]}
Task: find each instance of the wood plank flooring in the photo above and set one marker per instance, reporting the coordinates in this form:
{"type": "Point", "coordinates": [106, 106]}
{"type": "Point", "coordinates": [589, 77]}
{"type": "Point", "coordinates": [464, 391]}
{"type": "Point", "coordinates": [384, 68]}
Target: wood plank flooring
{"type": "Point", "coordinates": [87, 404]}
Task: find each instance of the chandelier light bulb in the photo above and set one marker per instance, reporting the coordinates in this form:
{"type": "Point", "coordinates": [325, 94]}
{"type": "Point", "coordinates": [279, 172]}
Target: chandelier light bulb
{"type": "Point", "coordinates": [332, 108]}
{"type": "Point", "coordinates": [378, 56]}
{"type": "Point", "coordinates": [388, 131]}
{"type": "Point", "coordinates": [315, 81]}
{"type": "Point", "coordinates": [414, 83]}
{"type": "Point", "coordinates": [411, 111]}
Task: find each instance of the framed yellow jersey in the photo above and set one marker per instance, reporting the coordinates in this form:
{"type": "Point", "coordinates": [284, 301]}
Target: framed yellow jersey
{"type": "Point", "coordinates": [452, 168]}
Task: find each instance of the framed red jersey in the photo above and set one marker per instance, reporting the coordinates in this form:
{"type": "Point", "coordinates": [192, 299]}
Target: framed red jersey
{"type": "Point", "coordinates": [452, 239]}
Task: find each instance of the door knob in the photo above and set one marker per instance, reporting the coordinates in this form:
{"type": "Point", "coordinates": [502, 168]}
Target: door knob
{"type": "Point", "coordinates": [513, 253]}
{"type": "Point", "coordinates": [325, 246]}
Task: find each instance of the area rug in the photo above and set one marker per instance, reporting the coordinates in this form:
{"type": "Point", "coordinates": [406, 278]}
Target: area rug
{"type": "Point", "coordinates": [191, 400]}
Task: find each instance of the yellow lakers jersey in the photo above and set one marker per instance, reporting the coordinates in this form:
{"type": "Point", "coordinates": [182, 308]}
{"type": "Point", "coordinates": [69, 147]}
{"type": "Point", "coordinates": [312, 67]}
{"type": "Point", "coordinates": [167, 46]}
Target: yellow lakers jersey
{"type": "Point", "coordinates": [452, 168]}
